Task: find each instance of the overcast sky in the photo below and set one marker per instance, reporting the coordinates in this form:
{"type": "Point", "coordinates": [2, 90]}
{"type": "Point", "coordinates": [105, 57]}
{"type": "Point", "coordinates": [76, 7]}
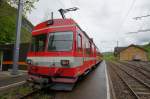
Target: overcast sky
{"type": "Point", "coordinates": [106, 21]}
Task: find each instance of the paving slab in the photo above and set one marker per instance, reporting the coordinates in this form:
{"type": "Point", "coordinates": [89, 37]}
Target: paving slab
{"type": "Point", "coordinates": [7, 79]}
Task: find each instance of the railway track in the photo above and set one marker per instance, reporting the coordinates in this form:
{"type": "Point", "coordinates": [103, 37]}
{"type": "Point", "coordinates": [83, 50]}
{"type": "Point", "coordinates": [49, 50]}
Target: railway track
{"type": "Point", "coordinates": [31, 94]}
{"type": "Point", "coordinates": [119, 87]}
{"type": "Point", "coordinates": [141, 65]}
{"type": "Point", "coordinates": [137, 72]}
{"type": "Point", "coordinates": [39, 92]}
{"type": "Point", "coordinates": [133, 87]}
{"type": "Point", "coordinates": [144, 63]}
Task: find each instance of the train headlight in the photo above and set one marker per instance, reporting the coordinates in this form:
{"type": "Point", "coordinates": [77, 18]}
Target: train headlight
{"type": "Point", "coordinates": [29, 61]}
{"type": "Point", "coordinates": [65, 62]}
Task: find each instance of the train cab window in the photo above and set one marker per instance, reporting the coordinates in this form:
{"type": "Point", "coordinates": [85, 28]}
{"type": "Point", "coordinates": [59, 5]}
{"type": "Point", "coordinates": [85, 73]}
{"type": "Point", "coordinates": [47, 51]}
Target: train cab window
{"type": "Point", "coordinates": [79, 42]}
{"type": "Point", "coordinates": [38, 43]}
{"type": "Point", "coordinates": [60, 41]}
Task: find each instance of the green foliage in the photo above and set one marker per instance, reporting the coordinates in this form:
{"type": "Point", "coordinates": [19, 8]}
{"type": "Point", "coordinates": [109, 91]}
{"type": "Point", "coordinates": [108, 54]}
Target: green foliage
{"type": "Point", "coordinates": [25, 36]}
{"type": "Point", "coordinates": [109, 56]}
{"type": "Point", "coordinates": [147, 47]}
{"type": "Point", "coordinates": [28, 4]}
{"type": "Point", "coordinates": [8, 25]}
{"type": "Point", "coordinates": [13, 93]}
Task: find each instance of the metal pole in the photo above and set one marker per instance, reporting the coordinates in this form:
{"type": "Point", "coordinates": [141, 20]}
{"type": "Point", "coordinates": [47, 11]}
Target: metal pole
{"type": "Point", "coordinates": [1, 60]}
{"type": "Point", "coordinates": [117, 43]}
{"type": "Point", "coordinates": [17, 43]}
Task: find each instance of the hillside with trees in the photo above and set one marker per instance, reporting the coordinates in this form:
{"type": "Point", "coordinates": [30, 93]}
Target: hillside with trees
{"type": "Point", "coordinates": [147, 47]}
{"type": "Point", "coordinates": [8, 16]}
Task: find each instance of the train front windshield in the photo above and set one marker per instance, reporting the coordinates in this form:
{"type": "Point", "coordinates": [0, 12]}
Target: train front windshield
{"type": "Point", "coordinates": [58, 41]}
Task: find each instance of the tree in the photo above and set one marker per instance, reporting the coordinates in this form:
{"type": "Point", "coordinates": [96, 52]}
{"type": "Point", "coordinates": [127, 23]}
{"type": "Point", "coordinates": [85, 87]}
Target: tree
{"type": "Point", "coordinates": [8, 25]}
{"type": "Point", "coordinates": [28, 4]}
{"type": "Point", "coordinates": [1, 1]}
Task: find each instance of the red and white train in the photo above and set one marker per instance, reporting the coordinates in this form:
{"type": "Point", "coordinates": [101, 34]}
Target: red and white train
{"type": "Point", "coordinates": [61, 52]}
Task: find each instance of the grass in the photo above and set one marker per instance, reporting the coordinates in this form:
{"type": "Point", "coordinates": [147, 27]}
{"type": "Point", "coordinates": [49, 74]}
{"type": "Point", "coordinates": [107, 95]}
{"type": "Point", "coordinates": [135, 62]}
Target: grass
{"type": "Point", "coordinates": [16, 92]}
{"type": "Point", "coordinates": [8, 25]}
{"type": "Point", "coordinates": [109, 56]}
{"type": "Point", "coordinates": [147, 47]}
{"type": "Point", "coordinates": [22, 90]}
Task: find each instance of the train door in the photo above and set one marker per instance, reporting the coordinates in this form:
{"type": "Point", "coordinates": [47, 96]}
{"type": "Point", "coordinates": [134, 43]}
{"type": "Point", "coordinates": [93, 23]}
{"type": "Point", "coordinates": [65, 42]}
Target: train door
{"type": "Point", "coordinates": [1, 60]}
{"type": "Point", "coordinates": [38, 43]}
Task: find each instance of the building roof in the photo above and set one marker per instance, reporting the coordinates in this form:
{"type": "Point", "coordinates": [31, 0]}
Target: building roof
{"type": "Point", "coordinates": [117, 50]}
{"type": "Point", "coordinates": [5, 47]}
{"type": "Point", "coordinates": [10, 46]}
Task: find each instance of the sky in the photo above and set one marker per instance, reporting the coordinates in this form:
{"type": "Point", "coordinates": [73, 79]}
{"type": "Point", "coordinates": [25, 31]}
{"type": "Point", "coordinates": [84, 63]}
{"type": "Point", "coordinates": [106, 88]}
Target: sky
{"type": "Point", "coordinates": [106, 21]}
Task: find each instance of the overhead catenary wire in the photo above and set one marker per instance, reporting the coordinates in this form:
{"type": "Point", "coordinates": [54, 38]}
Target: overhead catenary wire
{"type": "Point", "coordinates": [140, 17]}
{"type": "Point", "coordinates": [144, 30]}
{"type": "Point", "coordinates": [140, 29]}
{"type": "Point", "coordinates": [126, 15]}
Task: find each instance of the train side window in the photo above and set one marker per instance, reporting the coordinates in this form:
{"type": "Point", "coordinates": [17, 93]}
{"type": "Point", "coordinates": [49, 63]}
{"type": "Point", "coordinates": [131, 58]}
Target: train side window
{"type": "Point", "coordinates": [79, 42]}
{"type": "Point", "coordinates": [88, 49]}
{"type": "Point", "coordinates": [92, 50]}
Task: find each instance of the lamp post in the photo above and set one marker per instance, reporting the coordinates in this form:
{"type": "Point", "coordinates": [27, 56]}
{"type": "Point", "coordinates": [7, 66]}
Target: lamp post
{"type": "Point", "coordinates": [17, 43]}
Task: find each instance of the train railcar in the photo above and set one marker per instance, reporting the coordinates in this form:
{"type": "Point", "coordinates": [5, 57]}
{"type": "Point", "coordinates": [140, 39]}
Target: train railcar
{"type": "Point", "coordinates": [60, 52]}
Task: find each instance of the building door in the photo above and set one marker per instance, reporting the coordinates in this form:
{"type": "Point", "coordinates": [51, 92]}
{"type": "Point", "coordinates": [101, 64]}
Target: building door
{"type": "Point", "coordinates": [1, 60]}
{"type": "Point", "coordinates": [137, 57]}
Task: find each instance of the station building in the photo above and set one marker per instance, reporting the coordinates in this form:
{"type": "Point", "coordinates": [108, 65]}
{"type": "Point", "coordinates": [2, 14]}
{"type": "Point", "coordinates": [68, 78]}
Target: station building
{"type": "Point", "coordinates": [131, 53]}
{"type": "Point", "coordinates": [6, 56]}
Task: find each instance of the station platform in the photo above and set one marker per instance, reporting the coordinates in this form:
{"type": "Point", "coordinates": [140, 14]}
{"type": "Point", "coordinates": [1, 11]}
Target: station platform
{"type": "Point", "coordinates": [4, 74]}
{"type": "Point", "coordinates": [7, 80]}
{"type": "Point", "coordinates": [94, 86]}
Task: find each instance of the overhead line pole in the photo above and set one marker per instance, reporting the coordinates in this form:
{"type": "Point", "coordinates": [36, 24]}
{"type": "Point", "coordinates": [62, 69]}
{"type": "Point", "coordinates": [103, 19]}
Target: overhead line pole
{"type": "Point", "coordinates": [17, 43]}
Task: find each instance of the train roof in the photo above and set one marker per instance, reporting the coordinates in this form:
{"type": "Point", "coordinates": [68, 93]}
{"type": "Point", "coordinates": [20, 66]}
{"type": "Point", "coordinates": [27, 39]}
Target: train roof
{"type": "Point", "coordinates": [56, 22]}
{"type": "Point", "coordinates": [59, 23]}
